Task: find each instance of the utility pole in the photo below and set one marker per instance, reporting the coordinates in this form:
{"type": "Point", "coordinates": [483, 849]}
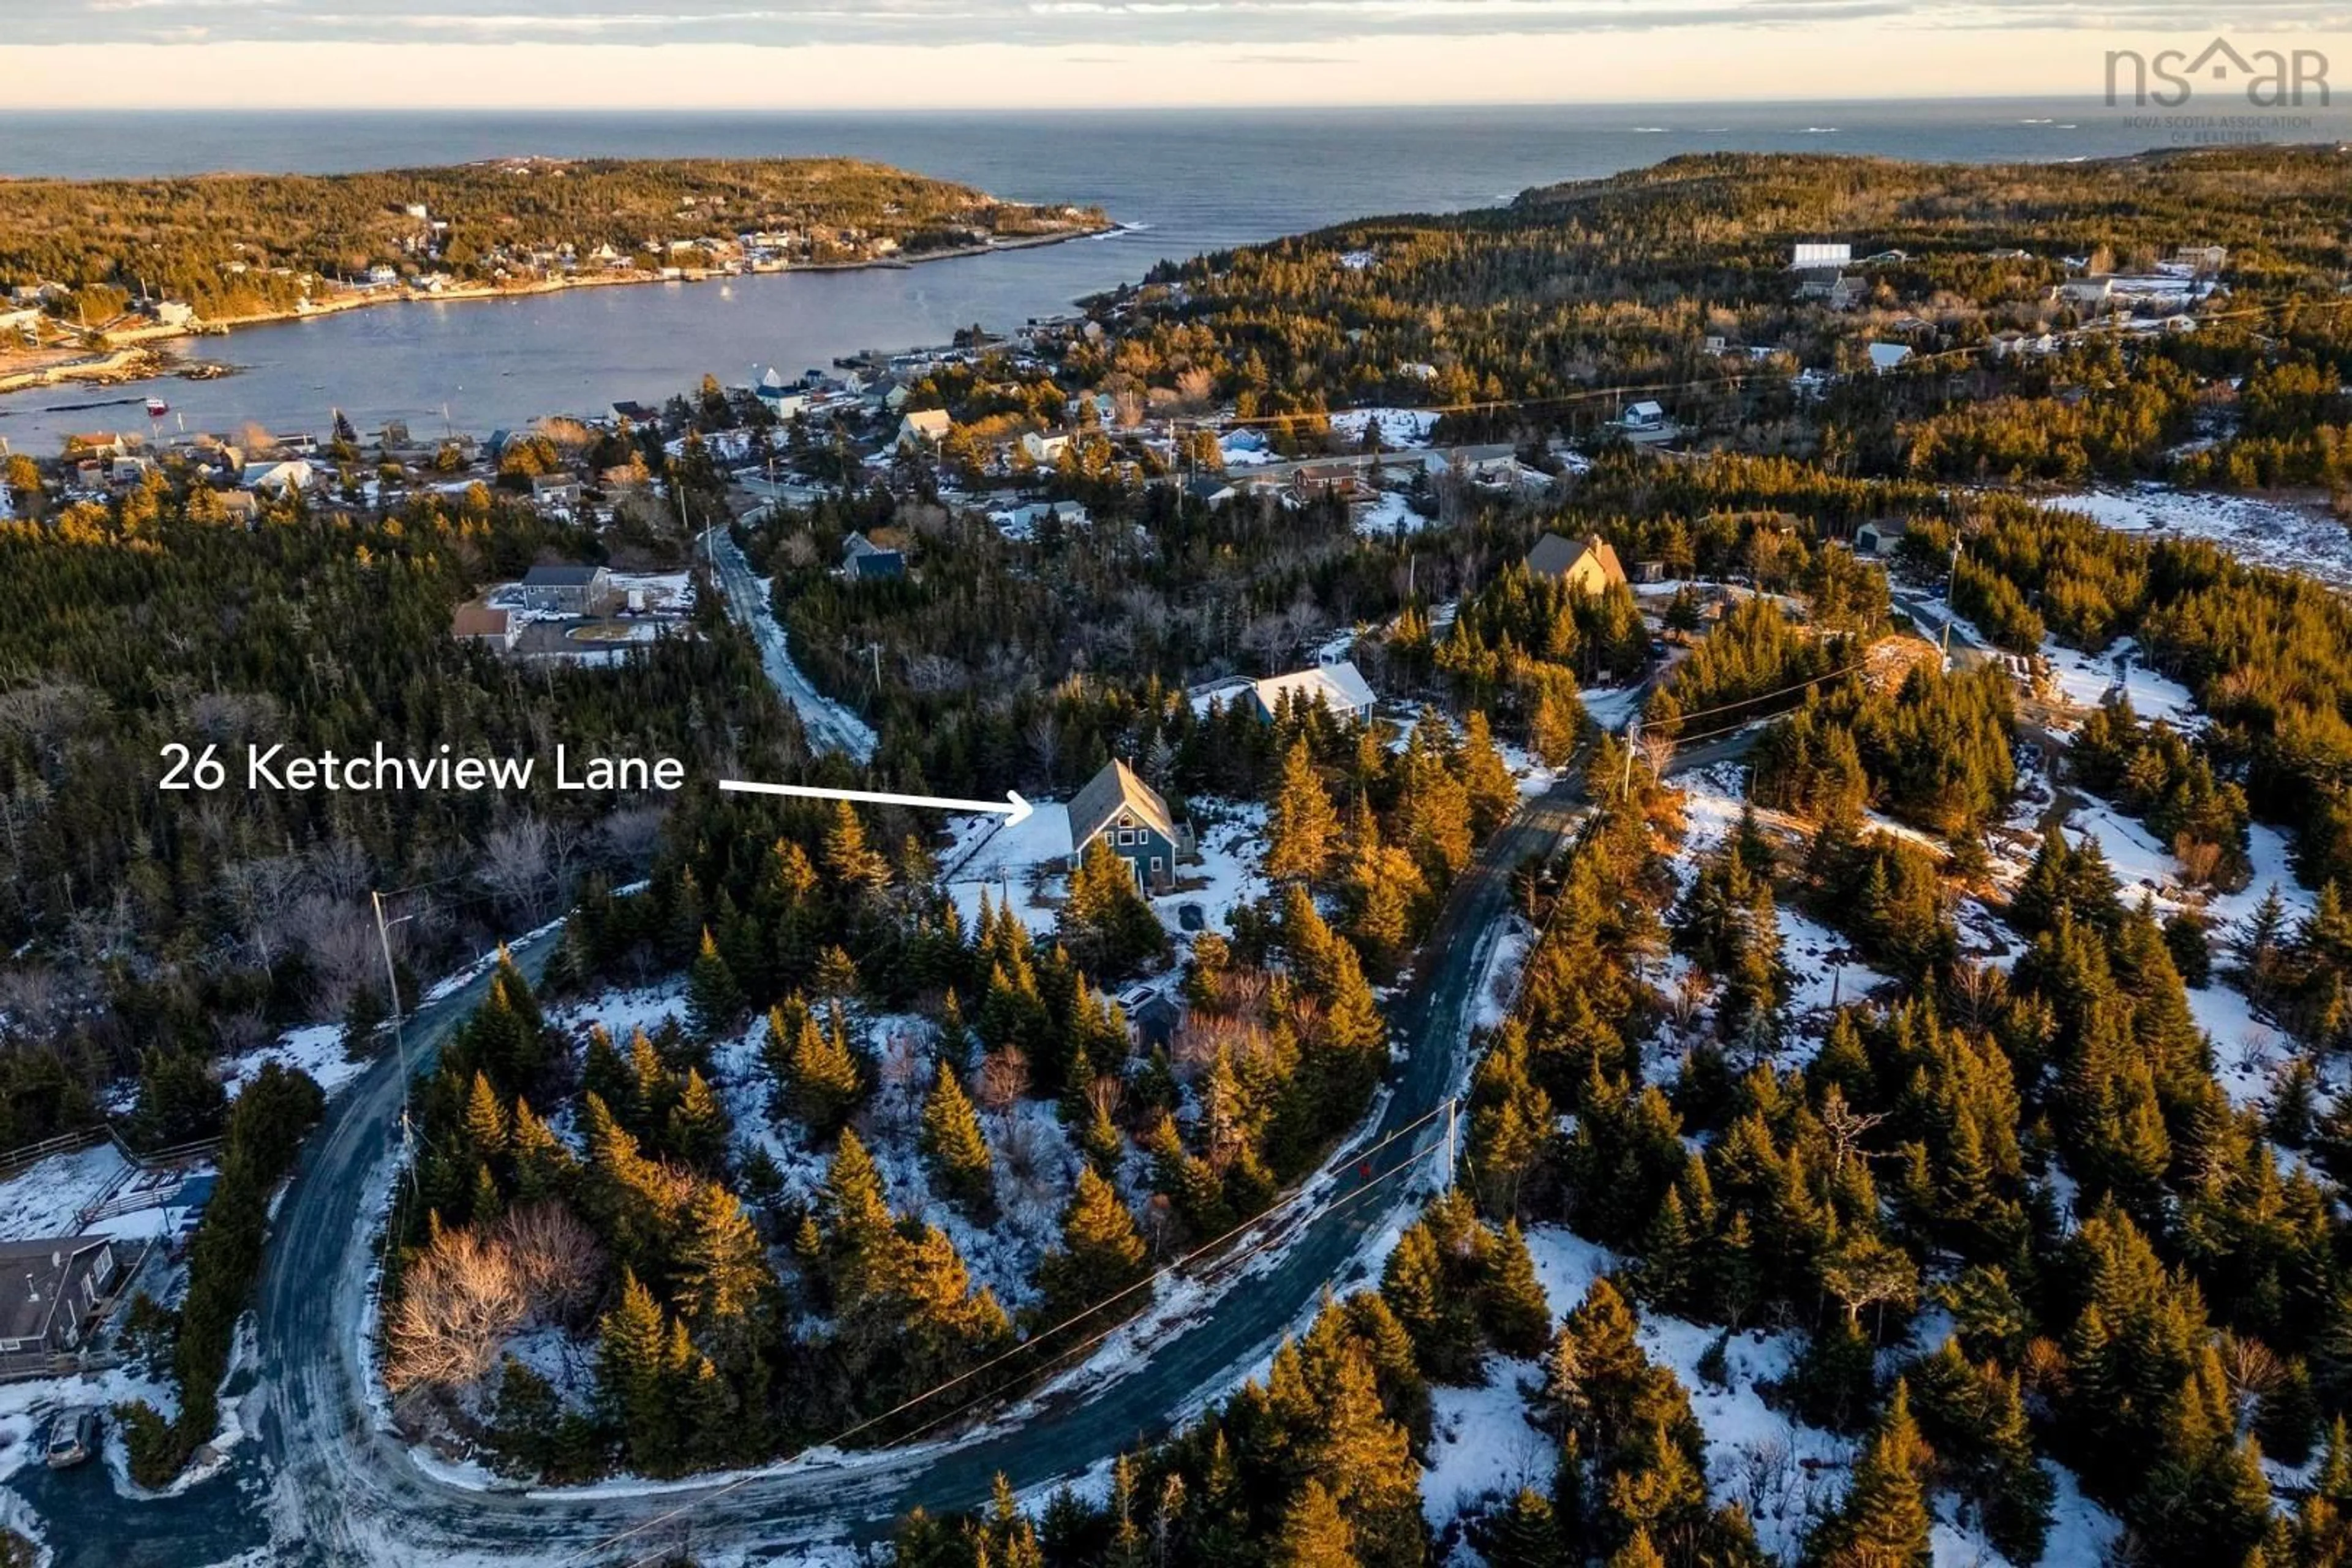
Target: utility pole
{"type": "Point", "coordinates": [1632, 740]}
{"type": "Point", "coordinates": [1952, 581]}
{"type": "Point", "coordinates": [399, 1039]}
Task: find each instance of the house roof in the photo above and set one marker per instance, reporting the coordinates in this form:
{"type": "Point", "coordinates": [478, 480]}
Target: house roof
{"type": "Point", "coordinates": [866, 559]}
{"type": "Point", "coordinates": [1110, 791]}
{"type": "Point", "coordinates": [1554, 556]}
{"type": "Point", "coordinates": [478, 620]}
{"type": "Point", "coordinates": [933, 422]}
{"type": "Point", "coordinates": [33, 1280]}
{"type": "Point", "coordinates": [1339, 686]}
{"type": "Point", "coordinates": [1886, 356]}
{"type": "Point", "coordinates": [562, 575]}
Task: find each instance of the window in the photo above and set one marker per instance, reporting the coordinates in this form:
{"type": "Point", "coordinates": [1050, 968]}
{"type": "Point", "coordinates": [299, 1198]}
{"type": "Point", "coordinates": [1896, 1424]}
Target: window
{"type": "Point", "coordinates": [1126, 837]}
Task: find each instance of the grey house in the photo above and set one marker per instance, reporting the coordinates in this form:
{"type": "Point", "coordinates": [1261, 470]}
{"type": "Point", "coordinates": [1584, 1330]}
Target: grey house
{"type": "Point", "coordinates": [1127, 814]}
{"type": "Point", "coordinates": [863, 561]}
{"type": "Point", "coordinates": [47, 1289]}
{"type": "Point", "coordinates": [567, 590]}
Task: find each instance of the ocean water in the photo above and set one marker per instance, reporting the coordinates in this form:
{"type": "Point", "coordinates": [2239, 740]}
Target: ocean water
{"type": "Point", "coordinates": [1185, 181]}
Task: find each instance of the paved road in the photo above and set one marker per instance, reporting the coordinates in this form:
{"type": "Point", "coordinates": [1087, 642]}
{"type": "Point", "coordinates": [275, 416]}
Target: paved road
{"type": "Point", "coordinates": [349, 1493]}
{"type": "Point", "coordinates": [830, 726]}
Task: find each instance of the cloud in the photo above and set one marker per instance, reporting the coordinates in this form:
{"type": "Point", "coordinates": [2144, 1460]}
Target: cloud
{"type": "Point", "coordinates": [1126, 22]}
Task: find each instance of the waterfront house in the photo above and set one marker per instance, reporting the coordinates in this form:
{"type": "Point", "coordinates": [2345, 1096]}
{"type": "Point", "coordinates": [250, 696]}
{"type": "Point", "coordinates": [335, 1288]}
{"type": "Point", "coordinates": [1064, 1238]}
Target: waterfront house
{"type": "Point", "coordinates": [925, 427]}
{"type": "Point", "coordinates": [863, 561]}
{"type": "Point", "coordinates": [1340, 688]}
{"type": "Point", "coordinates": [1127, 814]}
{"type": "Point", "coordinates": [638, 415]}
{"type": "Point", "coordinates": [1588, 565]}
{"type": "Point", "coordinates": [100, 445]}
{"type": "Point", "coordinates": [283, 477]}
{"type": "Point", "coordinates": [49, 1289]}
{"type": "Point", "coordinates": [554, 491]}
{"type": "Point", "coordinates": [567, 589]}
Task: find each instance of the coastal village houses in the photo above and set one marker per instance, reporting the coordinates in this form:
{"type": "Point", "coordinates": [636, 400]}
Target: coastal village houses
{"type": "Point", "coordinates": [927, 428]}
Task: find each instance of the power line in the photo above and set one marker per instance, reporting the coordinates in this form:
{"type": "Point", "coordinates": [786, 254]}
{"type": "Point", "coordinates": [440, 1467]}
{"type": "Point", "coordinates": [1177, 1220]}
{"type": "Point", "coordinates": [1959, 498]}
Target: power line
{"type": "Point", "coordinates": [847, 1433]}
{"type": "Point", "coordinates": [1762, 696]}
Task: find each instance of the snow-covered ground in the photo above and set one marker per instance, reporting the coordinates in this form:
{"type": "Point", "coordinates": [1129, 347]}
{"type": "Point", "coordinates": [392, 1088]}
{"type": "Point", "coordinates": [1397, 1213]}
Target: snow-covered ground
{"type": "Point", "coordinates": [2245, 1049]}
{"type": "Point", "coordinates": [2263, 533]}
{"type": "Point", "coordinates": [1024, 864]}
{"type": "Point", "coordinates": [315, 1048]}
{"type": "Point", "coordinates": [1783, 1473]}
{"type": "Point", "coordinates": [44, 1200]}
{"type": "Point", "coordinates": [2086, 680]}
{"type": "Point", "coordinates": [1389, 515]}
{"type": "Point", "coordinates": [1398, 426]}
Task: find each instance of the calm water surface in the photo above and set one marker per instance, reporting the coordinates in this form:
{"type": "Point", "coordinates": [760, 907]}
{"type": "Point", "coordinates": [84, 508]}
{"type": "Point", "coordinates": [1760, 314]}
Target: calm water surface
{"type": "Point", "coordinates": [1188, 181]}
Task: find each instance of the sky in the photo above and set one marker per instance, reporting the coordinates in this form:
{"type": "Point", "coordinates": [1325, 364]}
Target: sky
{"type": "Point", "coordinates": [1028, 54]}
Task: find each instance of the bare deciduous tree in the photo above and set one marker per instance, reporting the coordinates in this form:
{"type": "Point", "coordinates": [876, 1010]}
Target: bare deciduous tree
{"type": "Point", "coordinates": [1003, 1078]}
{"type": "Point", "coordinates": [516, 865]}
{"type": "Point", "coordinates": [556, 1259]}
{"type": "Point", "coordinates": [459, 1302]}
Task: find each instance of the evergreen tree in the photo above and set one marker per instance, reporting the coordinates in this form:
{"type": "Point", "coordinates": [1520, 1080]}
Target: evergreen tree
{"type": "Point", "coordinates": [1303, 832]}
{"type": "Point", "coordinates": [1105, 921]}
{"type": "Point", "coordinates": [1884, 1521]}
{"type": "Point", "coordinates": [1101, 1254]}
{"type": "Point", "coordinates": [712, 997]}
{"type": "Point", "coordinates": [953, 1145]}
{"type": "Point", "coordinates": [722, 1266]}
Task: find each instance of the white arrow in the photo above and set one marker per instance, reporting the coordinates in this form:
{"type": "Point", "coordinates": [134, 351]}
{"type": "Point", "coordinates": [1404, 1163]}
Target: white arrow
{"type": "Point", "coordinates": [1012, 808]}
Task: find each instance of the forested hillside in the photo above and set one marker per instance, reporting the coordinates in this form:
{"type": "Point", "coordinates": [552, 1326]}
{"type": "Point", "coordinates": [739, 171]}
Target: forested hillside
{"type": "Point", "coordinates": [152, 930]}
{"type": "Point", "coordinates": [235, 243]}
{"type": "Point", "coordinates": [1674, 282]}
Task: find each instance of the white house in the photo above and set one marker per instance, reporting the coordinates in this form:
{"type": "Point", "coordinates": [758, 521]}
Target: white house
{"type": "Point", "coordinates": [1340, 687]}
{"type": "Point", "coordinates": [927, 428]}
{"type": "Point", "coordinates": [1809, 254]}
{"type": "Point", "coordinates": [1042, 449]}
{"type": "Point", "coordinates": [1884, 357]}
{"type": "Point", "coordinates": [292, 474]}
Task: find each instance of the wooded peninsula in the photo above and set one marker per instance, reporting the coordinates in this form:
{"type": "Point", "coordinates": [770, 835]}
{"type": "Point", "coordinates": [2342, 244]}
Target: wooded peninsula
{"type": "Point", "coordinates": [129, 257]}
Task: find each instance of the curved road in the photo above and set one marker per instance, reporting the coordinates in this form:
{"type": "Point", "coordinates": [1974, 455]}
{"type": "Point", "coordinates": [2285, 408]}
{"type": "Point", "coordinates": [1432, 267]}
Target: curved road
{"type": "Point", "coordinates": [348, 1492]}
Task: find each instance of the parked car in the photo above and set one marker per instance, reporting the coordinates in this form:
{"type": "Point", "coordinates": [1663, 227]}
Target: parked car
{"type": "Point", "coordinates": [73, 1437]}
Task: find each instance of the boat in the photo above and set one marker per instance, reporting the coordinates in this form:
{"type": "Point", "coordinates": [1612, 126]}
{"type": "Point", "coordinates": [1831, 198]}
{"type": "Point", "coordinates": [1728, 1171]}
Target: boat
{"type": "Point", "coordinates": [157, 408]}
